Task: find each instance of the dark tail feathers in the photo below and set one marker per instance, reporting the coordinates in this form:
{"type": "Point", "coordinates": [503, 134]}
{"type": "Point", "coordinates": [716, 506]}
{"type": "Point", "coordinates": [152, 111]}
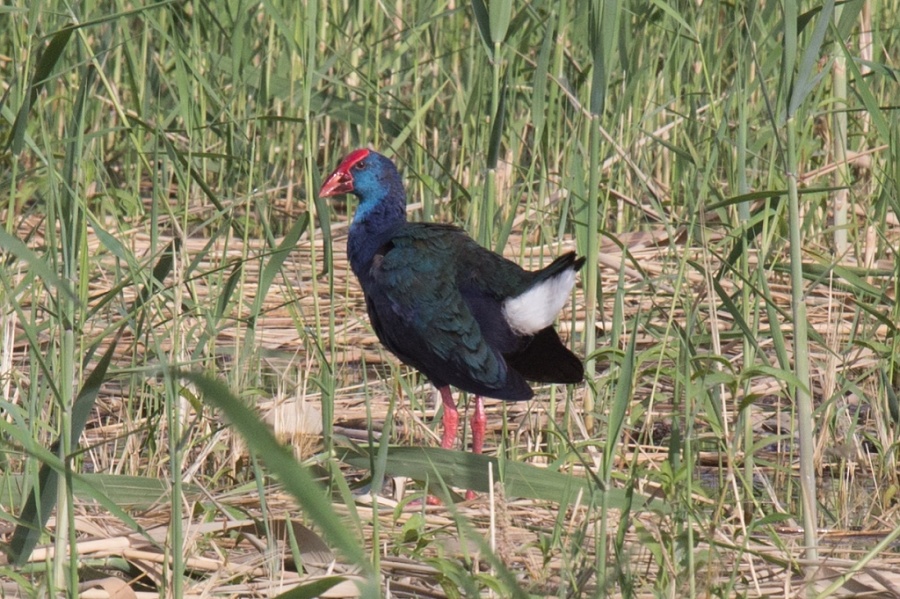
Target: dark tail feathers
{"type": "Point", "coordinates": [565, 262]}
{"type": "Point", "coordinates": [544, 359]}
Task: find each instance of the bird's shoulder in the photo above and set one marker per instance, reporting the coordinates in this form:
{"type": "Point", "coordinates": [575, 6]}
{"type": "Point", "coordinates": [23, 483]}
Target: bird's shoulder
{"type": "Point", "coordinates": [436, 238]}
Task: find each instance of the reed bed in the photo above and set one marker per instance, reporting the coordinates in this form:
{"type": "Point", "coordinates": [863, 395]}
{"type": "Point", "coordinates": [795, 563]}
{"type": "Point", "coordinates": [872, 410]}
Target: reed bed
{"type": "Point", "coordinates": [194, 403]}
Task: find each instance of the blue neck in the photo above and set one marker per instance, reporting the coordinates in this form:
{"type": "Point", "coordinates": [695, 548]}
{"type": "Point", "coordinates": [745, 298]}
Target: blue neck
{"type": "Point", "coordinates": [373, 225]}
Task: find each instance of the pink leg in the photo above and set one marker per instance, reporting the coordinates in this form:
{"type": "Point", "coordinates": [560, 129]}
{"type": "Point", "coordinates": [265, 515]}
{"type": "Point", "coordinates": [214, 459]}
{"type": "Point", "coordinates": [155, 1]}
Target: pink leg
{"type": "Point", "coordinates": [451, 419]}
{"type": "Point", "coordinates": [451, 426]}
{"type": "Point", "coordinates": [479, 425]}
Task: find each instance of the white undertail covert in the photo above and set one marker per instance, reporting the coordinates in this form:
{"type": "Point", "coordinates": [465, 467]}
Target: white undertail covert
{"type": "Point", "coordinates": [536, 308]}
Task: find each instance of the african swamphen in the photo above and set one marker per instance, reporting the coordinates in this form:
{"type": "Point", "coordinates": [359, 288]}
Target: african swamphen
{"type": "Point", "coordinates": [457, 312]}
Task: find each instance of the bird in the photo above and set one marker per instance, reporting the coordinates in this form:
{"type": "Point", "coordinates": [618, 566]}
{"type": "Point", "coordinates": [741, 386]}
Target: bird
{"type": "Point", "coordinates": [455, 311]}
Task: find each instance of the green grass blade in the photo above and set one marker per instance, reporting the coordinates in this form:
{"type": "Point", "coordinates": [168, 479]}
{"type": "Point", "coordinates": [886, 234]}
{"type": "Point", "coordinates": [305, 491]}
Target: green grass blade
{"type": "Point", "coordinates": [311, 590]}
{"type": "Point", "coordinates": [483, 19]}
{"type": "Point", "coordinates": [861, 86]}
{"type": "Point", "coordinates": [43, 497]}
{"type": "Point", "coordinates": [17, 248]}
{"type": "Point", "coordinates": [621, 402]}
{"type": "Point", "coordinates": [493, 155]}
{"type": "Point", "coordinates": [893, 402]}
{"type": "Point", "coordinates": [295, 477]}
{"type": "Point", "coordinates": [603, 27]}
{"type": "Point", "coordinates": [500, 15]}
{"type": "Point", "coordinates": [541, 73]}
{"type": "Point", "coordinates": [276, 261]}
{"type": "Point", "coordinates": [45, 64]}
{"type": "Point", "coordinates": [470, 471]}
{"type": "Point", "coordinates": [807, 75]}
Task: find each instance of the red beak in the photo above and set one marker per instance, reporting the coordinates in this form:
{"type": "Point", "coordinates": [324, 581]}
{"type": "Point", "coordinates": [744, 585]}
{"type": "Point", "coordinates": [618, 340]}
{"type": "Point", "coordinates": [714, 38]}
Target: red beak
{"type": "Point", "coordinates": [341, 180]}
{"type": "Point", "coordinates": [338, 183]}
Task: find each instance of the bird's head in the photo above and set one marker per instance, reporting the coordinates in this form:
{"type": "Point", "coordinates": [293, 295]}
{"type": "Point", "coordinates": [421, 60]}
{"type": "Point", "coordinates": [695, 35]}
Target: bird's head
{"type": "Point", "coordinates": [372, 178]}
{"type": "Point", "coordinates": [366, 174]}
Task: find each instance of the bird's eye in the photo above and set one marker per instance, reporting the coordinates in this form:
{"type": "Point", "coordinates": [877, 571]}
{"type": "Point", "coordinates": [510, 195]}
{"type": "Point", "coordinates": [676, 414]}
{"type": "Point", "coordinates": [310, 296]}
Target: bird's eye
{"type": "Point", "coordinates": [360, 165]}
